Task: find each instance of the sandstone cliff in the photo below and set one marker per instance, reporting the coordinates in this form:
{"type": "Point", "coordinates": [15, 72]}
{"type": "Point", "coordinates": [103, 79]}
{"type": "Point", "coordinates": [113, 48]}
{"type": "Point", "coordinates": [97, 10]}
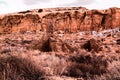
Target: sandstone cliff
{"type": "Point", "coordinates": [67, 19]}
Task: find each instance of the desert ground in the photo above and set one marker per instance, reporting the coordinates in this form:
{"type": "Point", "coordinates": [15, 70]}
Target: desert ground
{"type": "Point", "coordinates": [32, 50]}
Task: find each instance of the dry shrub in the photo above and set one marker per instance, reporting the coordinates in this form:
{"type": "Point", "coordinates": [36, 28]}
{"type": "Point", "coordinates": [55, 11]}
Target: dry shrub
{"type": "Point", "coordinates": [114, 70]}
{"type": "Point", "coordinates": [92, 44]}
{"type": "Point", "coordinates": [53, 64]}
{"type": "Point", "coordinates": [81, 65]}
{"type": "Point", "coordinates": [42, 45]}
{"type": "Point", "coordinates": [17, 68]}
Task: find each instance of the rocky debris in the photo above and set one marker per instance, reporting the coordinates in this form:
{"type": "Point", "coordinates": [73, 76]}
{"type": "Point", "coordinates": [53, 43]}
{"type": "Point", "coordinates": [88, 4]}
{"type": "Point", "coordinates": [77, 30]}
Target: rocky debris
{"type": "Point", "coordinates": [42, 44]}
{"type": "Point", "coordinates": [70, 20]}
{"type": "Point", "coordinates": [118, 41]}
{"type": "Point", "coordinates": [92, 44]}
{"type": "Point", "coordinates": [24, 12]}
{"type": "Point", "coordinates": [4, 51]}
{"type": "Point", "coordinates": [52, 44]}
{"type": "Point", "coordinates": [62, 54]}
{"type": "Point", "coordinates": [40, 10]}
{"type": "Point", "coordinates": [62, 42]}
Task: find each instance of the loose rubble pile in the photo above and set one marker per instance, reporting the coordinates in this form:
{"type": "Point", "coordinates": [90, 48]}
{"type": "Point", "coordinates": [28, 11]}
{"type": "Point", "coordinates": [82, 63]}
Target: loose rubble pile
{"type": "Point", "coordinates": [60, 41]}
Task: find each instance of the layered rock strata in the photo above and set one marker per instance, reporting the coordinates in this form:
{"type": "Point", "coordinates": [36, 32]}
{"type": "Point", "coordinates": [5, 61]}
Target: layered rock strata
{"type": "Point", "coordinates": [69, 20]}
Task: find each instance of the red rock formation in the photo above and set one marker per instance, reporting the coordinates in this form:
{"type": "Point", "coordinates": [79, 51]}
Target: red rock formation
{"type": "Point", "coordinates": [67, 19]}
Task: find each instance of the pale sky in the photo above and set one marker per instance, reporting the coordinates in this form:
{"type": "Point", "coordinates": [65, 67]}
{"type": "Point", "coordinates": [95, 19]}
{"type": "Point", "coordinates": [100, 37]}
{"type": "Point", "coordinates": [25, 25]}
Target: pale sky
{"type": "Point", "coordinates": [9, 6]}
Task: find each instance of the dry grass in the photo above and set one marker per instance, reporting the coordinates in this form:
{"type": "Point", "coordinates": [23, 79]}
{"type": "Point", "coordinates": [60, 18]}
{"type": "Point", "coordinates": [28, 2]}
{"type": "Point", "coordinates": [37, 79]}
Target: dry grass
{"type": "Point", "coordinates": [81, 65]}
{"type": "Point", "coordinates": [90, 66]}
{"type": "Point", "coordinates": [52, 63]}
{"type": "Point", "coordinates": [18, 68]}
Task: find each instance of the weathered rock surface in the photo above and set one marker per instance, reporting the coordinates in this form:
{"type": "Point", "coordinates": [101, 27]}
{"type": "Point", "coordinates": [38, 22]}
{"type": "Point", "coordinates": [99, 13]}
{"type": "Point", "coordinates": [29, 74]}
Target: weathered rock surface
{"type": "Point", "coordinates": [67, 19]}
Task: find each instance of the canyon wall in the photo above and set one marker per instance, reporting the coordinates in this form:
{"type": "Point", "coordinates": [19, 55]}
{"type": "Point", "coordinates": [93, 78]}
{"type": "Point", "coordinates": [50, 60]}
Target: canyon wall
{"type": "Point", "coordinates": [69, 20]}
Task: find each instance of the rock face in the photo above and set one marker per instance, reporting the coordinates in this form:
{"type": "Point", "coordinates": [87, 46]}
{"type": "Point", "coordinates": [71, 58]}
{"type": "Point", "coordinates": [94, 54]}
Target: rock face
{"type": "Point", "coordinates": [67, 19]}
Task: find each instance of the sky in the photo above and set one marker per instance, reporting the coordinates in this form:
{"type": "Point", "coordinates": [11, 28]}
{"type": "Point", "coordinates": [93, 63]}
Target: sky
{"type": "Point", "coordinates": [10, 6]}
